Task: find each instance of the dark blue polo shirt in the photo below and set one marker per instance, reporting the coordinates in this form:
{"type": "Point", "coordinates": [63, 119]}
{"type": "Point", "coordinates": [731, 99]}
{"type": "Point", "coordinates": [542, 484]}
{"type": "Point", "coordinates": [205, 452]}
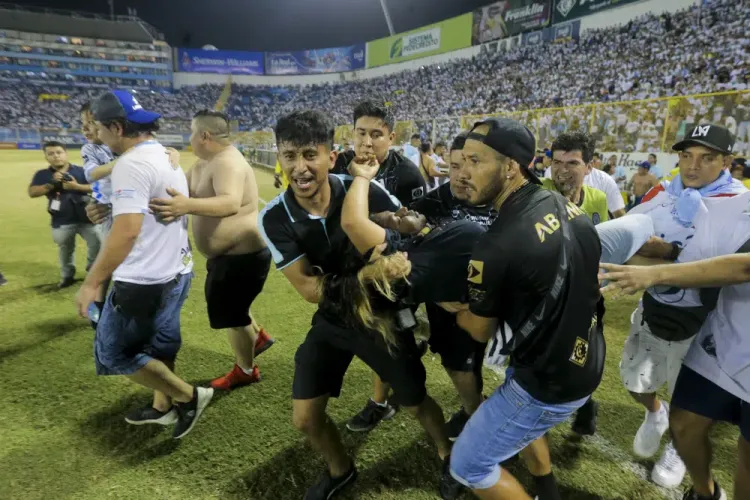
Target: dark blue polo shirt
{"type": "Point", "coordinates": [72, 203]}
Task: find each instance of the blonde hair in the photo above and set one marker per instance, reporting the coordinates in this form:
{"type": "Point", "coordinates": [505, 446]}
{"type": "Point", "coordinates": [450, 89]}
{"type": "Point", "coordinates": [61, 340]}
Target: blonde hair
{"type": "Point", "coordinates": [379, 275]}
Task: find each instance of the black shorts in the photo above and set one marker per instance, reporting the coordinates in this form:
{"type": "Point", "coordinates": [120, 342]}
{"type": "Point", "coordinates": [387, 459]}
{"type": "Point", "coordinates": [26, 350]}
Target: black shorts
{"type": "Point", "coordinates": [695, 393]}
{"type": "Point", "coordinates": [458, 350]}
{"type": "Point", "coordinates": [323, 358]}
{"type": "Point", "coordinates": [232, 283]}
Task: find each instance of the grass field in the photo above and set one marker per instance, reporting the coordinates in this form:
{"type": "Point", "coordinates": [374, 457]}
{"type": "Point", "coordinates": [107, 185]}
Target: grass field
{"type": "Point", "coordinates": [62, 432]}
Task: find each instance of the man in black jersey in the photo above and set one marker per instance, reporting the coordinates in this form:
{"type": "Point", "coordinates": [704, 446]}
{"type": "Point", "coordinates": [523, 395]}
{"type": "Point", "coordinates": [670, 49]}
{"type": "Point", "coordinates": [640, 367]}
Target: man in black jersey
{"type": "Point", "coordinates": [536, 270]}
{"type": "Point", "coordinates": [373, 133]}
{"type": "Point", "coordinates": [302, 228]}
{"type": "Point", "coordinates": [461, 355]}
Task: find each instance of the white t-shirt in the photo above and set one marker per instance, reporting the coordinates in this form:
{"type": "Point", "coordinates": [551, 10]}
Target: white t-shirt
{"type": "Point", "coordinates": [162, 251]}
{"type": "Point", "coordinates": [721, 352]}
{"type": "Point", "coordinates": [604, 182]}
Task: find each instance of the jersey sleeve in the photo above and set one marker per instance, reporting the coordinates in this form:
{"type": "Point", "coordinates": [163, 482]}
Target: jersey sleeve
{"type": "Point", "coordinates": [411, 184]}
{"type": "Point", "coordinates": [41, 177]}
{"type": "Point", "coordinates": [90, 161]}
{"type": "Point", "coordinates": [381, 200]}
{"type": "Point", "coordinates": [487, 270]}
{"type": "Point", "coordinates": [132, 185]}
{"type": "Point", "coordinates": [276, 230]}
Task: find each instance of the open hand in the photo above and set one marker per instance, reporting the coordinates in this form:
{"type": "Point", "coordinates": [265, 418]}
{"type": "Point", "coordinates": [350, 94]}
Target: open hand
{"type": "Point", "coordinates": [168, 210]}
{"type": "Point", "coordinates": [627, 279]}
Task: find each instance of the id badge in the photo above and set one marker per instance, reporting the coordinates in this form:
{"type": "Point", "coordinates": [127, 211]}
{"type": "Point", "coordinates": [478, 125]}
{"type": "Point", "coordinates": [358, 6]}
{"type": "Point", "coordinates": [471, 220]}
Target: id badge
{"type": "Point", "coordinates": [54, 206]}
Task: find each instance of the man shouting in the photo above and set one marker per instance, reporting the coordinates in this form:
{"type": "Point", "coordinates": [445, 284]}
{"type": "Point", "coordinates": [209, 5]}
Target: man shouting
{"type": "Point", "coordinates": [224, 204]}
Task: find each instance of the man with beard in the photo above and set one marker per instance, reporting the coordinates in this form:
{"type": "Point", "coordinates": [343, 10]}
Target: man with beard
{"type": "Point", "coordinates": [224, 206]}
{"type": "Point", "coordinates": [548, 294]}
{"type": "Point", "coordinates": [461, 355]}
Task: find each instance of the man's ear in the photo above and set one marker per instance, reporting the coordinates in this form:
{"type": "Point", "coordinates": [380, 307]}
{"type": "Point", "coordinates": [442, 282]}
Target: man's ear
{"type": "Point", "coordinates": [589, 167]}
{"type": "Point", "coordinates": [392, 137]}
{"type": "Point", "coordinates": [332, 156]}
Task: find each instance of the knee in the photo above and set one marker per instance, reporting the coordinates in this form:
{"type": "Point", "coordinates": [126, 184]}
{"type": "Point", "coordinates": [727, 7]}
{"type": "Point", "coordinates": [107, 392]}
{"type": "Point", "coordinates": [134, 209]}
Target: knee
{"type": "Point", "coordinates": [307, 421]}
{"type": "Point", "coordinates": [466, 470]}
{"type": "Point", "coordinates": [679, 424]}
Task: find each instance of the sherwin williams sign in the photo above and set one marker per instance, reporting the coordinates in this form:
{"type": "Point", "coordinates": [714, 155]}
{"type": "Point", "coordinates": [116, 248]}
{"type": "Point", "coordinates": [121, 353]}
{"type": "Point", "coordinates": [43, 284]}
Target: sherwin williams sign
{"type": "Point", "coordinates": [220, 61]}
{"type": "Point", "coordinates": [445, 36]}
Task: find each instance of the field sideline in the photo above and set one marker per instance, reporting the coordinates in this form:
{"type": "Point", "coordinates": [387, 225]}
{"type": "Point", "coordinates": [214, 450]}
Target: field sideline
{"type": "Point", "coordinates": [62, 432]}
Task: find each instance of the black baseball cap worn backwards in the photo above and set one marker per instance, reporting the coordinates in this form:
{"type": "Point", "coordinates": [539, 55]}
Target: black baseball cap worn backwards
{"type": "Point", "coordinates": [711, 136]}
{"type": "Point", "coordinates": [509, 138]}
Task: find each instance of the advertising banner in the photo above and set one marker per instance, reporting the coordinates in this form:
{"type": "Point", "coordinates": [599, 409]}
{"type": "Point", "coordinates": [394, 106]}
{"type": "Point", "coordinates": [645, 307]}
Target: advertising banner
{"type": "Point", "coordinates": [67, 139]}
{"type": "Point", "coordinates": [445, 36]}
{"type": "Point", "coordinates": [220, 61]}
{"type": "Point", "coordinates": [665, 162]}
{"type": "Point", "coordinates": [29, 145]}
{"type": "Point", "coordinates": [508, 18]}
{"type": "Point", "coordinates": [8, 145]}
{"type": "Point", "coordinates": [571, 9]}
{"type": "Point", "coordinates": [566, 31]}
{"type": "Point", "coordinates": [170, 139]}
{"type": "Point", "coordinates": [307, 62]}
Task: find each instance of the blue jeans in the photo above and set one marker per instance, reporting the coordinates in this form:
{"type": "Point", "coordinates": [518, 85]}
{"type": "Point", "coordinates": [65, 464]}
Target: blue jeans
{"type": "Point", "coordinates": [123, 344]}
{"type": "Point", "coordinates": [506, 423]}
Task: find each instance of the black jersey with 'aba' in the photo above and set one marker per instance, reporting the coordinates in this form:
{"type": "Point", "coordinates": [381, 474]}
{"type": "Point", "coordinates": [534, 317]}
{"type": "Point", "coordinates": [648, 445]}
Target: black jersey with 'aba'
{"type": "Point", "coordinates": [440, 207]}
{"type": "Point", "coordinates": [397, 173]}
{"type": "Point", "coordinates": [514, 266]}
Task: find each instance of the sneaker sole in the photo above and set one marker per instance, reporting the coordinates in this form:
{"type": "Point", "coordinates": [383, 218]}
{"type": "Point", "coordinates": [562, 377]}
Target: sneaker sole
{"type": "Point", "coordinates": [236, 386]}
{"type": "Point", "coordinates": [265, 347]}
{"type": "Point", "coordinates": [391, 413]}
{"type": "Point", "coordinates": [198, 412]}
{"type": "Point", "coordinates": [168, 419]}
{"type": "Point", "coordinates": [657, 479]}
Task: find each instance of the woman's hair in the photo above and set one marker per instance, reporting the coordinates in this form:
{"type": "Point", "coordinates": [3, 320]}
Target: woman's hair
{"type": "Point", "coordinates": [350, 295]}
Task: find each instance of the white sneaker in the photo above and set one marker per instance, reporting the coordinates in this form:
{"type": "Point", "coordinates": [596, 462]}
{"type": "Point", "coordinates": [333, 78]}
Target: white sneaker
{"type": "Point", "coordinates": [648, 438]}
{"type": "Point", "coordinates": [669, 471]}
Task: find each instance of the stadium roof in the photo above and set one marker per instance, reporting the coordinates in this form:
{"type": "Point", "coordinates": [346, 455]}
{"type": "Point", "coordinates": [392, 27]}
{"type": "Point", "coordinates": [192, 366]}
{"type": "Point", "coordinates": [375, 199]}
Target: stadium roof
{"type": "Point", "coordinates": [275, 24]}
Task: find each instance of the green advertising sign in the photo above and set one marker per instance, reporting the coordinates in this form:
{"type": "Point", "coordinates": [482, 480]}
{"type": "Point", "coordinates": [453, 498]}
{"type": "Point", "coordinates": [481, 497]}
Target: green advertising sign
{"type": "Point", "coordinates": [572, 9]}
{"type": "Point", "coordinates": [445, 36]}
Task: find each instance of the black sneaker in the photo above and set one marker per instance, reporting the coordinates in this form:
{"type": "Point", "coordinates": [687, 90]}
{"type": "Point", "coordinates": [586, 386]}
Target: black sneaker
{"type": "Point", "coordinates": [189, 413]}
{"type": "Point", "coordinates": [150, 415]}
{"type": "Point", "coordinates": [456, 424]}
{"type": "Point", "coordinates": [718, 494]}
{"type": "Point", "coordinates": [3, 281]}
{"type": "Point", "coordinates": [450, 489]}
{"type": "Point", "coordinates": [585, 420]}
{"type": "Point", "coordinates": [370, 417]}
{"type": "Point", "coordinates": [66, 282]}
{"type": "Point", "coordinates": [329, 487]}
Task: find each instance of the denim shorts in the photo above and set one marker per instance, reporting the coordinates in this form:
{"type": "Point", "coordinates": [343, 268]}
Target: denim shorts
{"type": "Point", "coordinates": [123, 344]}
{"type": "Point", "coordinates": [506, 423]}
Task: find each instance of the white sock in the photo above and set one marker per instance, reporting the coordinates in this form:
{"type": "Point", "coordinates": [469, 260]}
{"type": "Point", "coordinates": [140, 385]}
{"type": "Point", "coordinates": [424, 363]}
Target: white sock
{"type": "Point", "coordinates": [382, 405]}
{"type": "Point", "coordinates": [246, 371]}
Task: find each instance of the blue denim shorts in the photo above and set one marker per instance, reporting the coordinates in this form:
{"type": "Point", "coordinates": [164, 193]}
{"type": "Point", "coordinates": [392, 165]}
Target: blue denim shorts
{"type": "Point", "coordinates": [123, 345]}
{"type": "Point", "coordinates": [506, 423]}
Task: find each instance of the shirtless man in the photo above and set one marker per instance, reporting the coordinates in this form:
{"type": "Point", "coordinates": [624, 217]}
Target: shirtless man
{"type": "Point", "coordinates": [224, 204]}
{"type": "Point", "coordinates": [641, 183]}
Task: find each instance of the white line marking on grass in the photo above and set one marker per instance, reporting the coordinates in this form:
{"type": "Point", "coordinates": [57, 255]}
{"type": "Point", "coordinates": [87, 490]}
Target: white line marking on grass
{"type": "Point", "coordinates": [262, 201]}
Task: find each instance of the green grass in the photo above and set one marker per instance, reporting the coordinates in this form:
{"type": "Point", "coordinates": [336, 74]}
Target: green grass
{"type": "Point", "coordinates": [62, 432]}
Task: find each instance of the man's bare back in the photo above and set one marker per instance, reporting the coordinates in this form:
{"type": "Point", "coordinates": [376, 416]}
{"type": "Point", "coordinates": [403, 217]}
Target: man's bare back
{"type": "Point", "coordinates": [235, 234]}
{"type": "Point", "coordinates": [643, 183]}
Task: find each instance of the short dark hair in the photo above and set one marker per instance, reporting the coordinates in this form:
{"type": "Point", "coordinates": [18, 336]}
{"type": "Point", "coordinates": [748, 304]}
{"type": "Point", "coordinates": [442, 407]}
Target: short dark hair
{"type": "Point", "coordinates": [459, 141]}
{"type": "Point", "coordinates": [86, 108]}
{"type": "Point", "coordinates": [53, 144]}
{"type": "Point", "coordinates": [576, 141]}
{"type": "Point", "coordinates": [212, 113]}
{"type": "Point", "coordinates": [597, 155]}
{"type": "Point", "coordinates": [440, 144]}
{"type": "Point", "coordinates": [302, 128]}
{"type": "Point", "coordinates": [416, 136]}
{"type": "Point", "coordinates": [375, 109]}
{"type": "Point", "coordinates": [132, 129]}
{"type": "Point", "coordinates": [426, 146]}
{"type": "Point", "coordinates": [652, 154]}
{"type": "Point", "coordinates": [217, 122]}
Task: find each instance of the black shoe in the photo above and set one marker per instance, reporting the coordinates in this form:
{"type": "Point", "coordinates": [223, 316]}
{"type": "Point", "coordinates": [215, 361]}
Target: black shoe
{"type": "Point", "coordinates": [150, 415]}
{"type": "Point", "coordinates": [422, 346]}
{"type": "Point", "coordinates": [718, 494]}
{"type": "Point", "coordinates": [66, 282]}
{"type": "Point", "coordinates": [329, 487]}
{"type": "Point", "coordinates": [3, 281]}
{"type": "Point", "coordinates": [585, 420]}
{"type": "Point", "coordinates": [450, 489]}
{"type": "Point", "coordinates": [189, 413]}
{"type": "Point", "coordinates": [370, 417]}
{"type": "Point", "coordinates": [456, 424]}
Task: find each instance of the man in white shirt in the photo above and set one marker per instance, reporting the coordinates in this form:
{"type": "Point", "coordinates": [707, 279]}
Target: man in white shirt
{"type": "Point", "coordinates": [714, 382]}
{"type": "Point", "coordinates": [150, 264]}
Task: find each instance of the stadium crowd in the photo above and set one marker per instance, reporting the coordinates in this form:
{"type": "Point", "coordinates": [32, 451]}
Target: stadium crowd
{"type": "Point", "coordinates": [700, 50]}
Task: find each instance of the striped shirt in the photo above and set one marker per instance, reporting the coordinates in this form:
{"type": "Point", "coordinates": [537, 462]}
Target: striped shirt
{"type": "Point", "coordinates": [96, 155]}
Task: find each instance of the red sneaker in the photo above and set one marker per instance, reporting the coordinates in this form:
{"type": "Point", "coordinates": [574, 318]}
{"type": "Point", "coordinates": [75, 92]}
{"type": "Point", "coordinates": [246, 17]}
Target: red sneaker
{"type": "Point", "coordinates": [236, 378]}
{"type": "Point", "coordinates": [262, 342]}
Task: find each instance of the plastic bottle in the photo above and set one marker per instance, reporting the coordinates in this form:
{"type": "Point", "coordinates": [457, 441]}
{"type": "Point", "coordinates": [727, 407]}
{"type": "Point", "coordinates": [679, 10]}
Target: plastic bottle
{"type": "Point", "coordinates": [93, 313]}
